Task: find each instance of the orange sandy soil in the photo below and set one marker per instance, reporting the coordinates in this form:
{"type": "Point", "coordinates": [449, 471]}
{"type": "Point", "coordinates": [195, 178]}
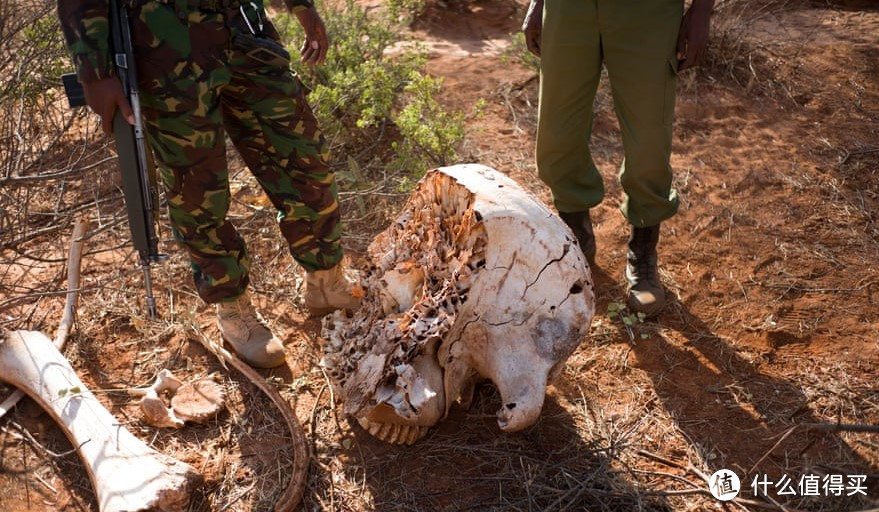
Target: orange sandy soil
{"type": "Point", "coordinates": [772, 327]}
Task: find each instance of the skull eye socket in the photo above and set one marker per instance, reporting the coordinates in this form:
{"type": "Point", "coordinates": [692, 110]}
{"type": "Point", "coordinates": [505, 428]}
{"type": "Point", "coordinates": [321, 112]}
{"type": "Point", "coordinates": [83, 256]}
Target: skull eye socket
{"type": "Point", "coordinates": [577, 288]}
{"type": "Point", "coordinates": [511, 405]}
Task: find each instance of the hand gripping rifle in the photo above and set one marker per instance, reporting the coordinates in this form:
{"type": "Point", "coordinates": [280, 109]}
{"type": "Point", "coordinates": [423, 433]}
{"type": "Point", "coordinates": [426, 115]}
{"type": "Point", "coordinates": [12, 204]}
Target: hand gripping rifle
{"type": "Point", "coordinates": [135, 160]}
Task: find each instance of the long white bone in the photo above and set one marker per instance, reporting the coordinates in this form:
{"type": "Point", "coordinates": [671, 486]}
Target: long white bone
{"type": "Point", "coordinates": [126, 474]}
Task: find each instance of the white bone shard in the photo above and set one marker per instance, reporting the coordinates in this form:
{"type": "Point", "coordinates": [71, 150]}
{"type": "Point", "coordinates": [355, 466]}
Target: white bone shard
{"type": "Point", "coordinates": [476, 278]}
{"type": "Point", "coordinates": [155, 412]}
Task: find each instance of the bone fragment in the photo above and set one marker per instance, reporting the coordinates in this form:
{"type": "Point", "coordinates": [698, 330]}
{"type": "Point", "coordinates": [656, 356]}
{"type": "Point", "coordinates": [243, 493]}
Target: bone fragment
{"type": "Point", "coordinates": [155, 412]}
{"type": "Point", "coordinates": [127, 475]}
{"type": "Point", "coordinates": [198, 401]}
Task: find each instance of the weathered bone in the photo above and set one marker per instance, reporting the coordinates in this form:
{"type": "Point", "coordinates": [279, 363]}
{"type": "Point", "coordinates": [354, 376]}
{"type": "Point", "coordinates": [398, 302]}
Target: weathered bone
{"type": "Point", "coordinates": [198, 401]}
{"type": "Point", "coordinates": [155, 412]}
{"type": "Point", "coordinates": [476, 278]}
{"type": "Point", "coordinates": [127, 475]}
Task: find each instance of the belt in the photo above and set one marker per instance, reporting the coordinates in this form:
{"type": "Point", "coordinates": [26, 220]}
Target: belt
{"type": "Point", "coordinates": [214, 5]}
{"type": "Point", "coordinates": [201, 5]}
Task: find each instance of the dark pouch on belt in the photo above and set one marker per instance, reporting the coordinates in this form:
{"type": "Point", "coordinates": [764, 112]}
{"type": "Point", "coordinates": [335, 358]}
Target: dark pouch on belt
{"type": "Point", "coordinates": [262, 49]}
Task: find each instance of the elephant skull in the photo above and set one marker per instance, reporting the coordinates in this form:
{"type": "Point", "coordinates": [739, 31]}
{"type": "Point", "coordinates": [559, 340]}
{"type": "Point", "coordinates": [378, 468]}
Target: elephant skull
{"type": "Point", "coordinates": [475, 279]}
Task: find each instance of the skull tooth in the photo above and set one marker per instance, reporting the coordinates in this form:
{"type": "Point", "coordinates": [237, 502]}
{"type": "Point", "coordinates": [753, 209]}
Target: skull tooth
{"type": "Point", "coordinates": [394, 436]}
{"type": "Point", "coordinates": [413, 434]}
{"type": "Point", "coordinates": [384, 430]}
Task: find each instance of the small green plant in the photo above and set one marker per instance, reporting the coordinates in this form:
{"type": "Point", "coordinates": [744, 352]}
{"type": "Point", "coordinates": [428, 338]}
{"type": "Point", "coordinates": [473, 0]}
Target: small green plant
{"type": "Point", "coordinates": [628, 318]}
{"type": "Point", "coordinates": [426, 128]}
{"type": "Point", "coordinates": [406, 10]}
{"type": "Point", "coordinates": [518, 52]}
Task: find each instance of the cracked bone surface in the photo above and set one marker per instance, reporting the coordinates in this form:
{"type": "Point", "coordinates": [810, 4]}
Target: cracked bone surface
{"type": "Point", "coordinates": [475, 279]}
{"type": "Point", "coordinates": [126, 474]}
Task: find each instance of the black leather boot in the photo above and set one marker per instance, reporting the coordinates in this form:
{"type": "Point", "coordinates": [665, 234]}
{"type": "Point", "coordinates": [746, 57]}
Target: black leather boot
{"type": "Point", "coordinates": [645, 294]}
{"type": "Point", "coordinates": [581, 225]}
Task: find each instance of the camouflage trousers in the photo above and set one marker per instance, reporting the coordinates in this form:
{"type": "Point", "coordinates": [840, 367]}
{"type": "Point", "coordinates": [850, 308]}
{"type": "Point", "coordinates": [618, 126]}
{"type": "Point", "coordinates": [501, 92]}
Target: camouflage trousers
{"type": "Point", "coordinates": [197, 84]}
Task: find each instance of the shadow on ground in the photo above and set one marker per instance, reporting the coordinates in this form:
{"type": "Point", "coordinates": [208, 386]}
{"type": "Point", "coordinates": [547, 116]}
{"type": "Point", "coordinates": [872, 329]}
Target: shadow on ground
{"type": "Point", "coordinates": [467, 463]}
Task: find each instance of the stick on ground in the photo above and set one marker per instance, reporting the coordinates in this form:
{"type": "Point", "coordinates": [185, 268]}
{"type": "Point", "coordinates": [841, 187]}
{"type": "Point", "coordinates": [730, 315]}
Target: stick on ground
{"type": "Point", "coordinates": [74, 260]}
{"type": "Point", "coordinates": [301, 455]}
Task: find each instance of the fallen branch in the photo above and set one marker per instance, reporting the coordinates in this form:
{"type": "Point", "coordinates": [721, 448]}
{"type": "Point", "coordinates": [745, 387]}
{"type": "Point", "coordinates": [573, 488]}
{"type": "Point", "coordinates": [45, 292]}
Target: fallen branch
{"type": "Point", "coordinates": [776, 445]}
{"type": "Point", "coordinates": [74, 260]}
{"type": "Point", "coordinates": [29, 180]}
{"type": "Point", "coordinates": [24, 435]}
{"type": "Point", "coordinates": [849, 154]}
{"type": "Point", "coordinates": [299, 475]}
{"type": "Point", "coordinates": [843, 427]}
{"type": "Point", "coordinates": [690, 468]}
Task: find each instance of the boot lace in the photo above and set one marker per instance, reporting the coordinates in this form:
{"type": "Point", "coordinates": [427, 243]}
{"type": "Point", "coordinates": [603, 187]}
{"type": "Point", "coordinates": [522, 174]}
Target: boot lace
{"type": "Point", "coordinates": [244, 314]}
{"type": "Point", "coordinates": [642, 259]}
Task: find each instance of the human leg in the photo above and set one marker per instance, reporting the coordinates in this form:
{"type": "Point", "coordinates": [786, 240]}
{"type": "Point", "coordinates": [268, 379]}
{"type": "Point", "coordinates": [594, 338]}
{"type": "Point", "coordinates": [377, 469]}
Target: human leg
{"type": "Point", "coordinates": [181, 66]}
{"type": "Point", "coordinates": [570, 71]}
{"type": "Point", "coordinates": [273, 127]}
{"type": "Point", "coordinates": [180, 75]}
{"type": "Point", "coordinates": [639, 43]}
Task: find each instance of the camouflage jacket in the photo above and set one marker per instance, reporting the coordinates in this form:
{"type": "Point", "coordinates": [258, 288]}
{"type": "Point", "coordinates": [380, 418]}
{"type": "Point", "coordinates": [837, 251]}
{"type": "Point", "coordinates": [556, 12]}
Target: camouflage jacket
{"type": "Point", "coordinates": [86, 28]}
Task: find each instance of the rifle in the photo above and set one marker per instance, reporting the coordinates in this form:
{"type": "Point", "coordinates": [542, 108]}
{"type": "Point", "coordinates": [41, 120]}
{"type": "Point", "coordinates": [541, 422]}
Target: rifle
{"type": "Point", "coordinates": [135, 160]}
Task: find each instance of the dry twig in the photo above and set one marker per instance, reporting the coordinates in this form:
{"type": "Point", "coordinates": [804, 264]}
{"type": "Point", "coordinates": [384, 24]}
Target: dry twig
{"type": "Point", "coordinates": [298, 476]}
{"type": "Point", "coordinates": [73, 272]}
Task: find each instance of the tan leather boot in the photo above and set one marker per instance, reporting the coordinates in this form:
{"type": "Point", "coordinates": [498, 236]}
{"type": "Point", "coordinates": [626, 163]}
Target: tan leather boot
{"type": "Point", "coordinates": [645, 294]}
{"type": "Point", "coordinates": [329, 290]}
{"type": "Point", "coordinates": [247, 333]}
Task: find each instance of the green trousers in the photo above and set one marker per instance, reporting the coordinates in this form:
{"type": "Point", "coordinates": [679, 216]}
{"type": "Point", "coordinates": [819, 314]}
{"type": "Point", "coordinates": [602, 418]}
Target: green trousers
{"type": "Point", "coordinates": [636, 40]}
{"type": "Point", "coordinates": [201, 80]}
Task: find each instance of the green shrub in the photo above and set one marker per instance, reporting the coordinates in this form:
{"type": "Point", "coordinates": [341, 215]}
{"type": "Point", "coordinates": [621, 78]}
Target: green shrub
{"type": "Point", "coordinates": [376, 107]}
{"type": "Point", "coordinates": [519, 52]}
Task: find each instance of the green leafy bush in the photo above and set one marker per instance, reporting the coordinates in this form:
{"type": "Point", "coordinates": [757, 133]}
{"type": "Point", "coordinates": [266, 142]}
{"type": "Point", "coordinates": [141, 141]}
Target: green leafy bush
{"type": "Point", "coordinates": [376, 107]}
{"type": "Point", "coordinates": [518, 52]}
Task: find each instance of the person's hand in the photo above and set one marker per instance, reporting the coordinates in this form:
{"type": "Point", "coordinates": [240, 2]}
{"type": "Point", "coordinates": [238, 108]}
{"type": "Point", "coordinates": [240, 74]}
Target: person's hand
{"type": "Point", "coordinates": [693, 36]}
{"type": "Point", "coordinates": [104, 97]}
{"type": "Point", "coordinates": [314, 49]}
{"type": "Point", "coordinates": [532, 27]}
